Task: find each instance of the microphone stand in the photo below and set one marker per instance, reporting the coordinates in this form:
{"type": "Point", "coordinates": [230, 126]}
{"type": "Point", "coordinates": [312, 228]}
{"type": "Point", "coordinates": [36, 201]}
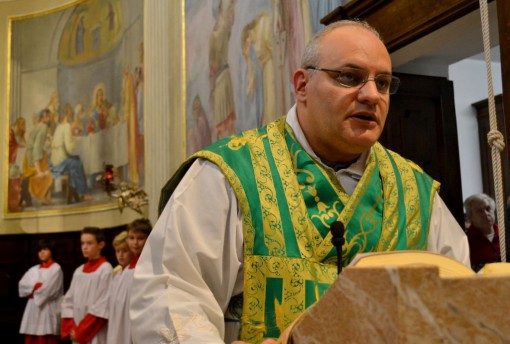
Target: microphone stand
{"type": "Point", "coordinates": [337, 231]}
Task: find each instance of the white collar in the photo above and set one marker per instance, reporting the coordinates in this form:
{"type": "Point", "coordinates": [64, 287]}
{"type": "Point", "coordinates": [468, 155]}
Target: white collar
{"type": "Point", "coordinates": [357, 168]}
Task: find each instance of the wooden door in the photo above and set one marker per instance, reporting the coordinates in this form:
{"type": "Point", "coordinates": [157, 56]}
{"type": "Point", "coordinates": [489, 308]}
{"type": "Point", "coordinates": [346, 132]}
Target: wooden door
{"type": "Point", "coordinates": [421, 126]}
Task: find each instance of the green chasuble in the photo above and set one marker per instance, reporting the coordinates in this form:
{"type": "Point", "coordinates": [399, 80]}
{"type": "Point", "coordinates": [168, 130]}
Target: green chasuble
{"type": "Point", "coordinates": [289, 200]}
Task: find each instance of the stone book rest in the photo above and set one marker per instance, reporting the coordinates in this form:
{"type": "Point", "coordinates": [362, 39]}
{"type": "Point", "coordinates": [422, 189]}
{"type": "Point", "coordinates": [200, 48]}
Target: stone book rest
{"type": "Point", "coordinates": [409, 297]}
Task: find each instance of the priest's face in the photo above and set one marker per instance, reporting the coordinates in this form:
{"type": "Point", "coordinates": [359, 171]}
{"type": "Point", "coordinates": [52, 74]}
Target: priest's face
{"type": "Point", "coordinates": [342, 122]}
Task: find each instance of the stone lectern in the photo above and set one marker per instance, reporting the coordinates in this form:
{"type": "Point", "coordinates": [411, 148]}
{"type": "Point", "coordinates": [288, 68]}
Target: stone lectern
{"type": "Point", "coordinates": [407, 304]}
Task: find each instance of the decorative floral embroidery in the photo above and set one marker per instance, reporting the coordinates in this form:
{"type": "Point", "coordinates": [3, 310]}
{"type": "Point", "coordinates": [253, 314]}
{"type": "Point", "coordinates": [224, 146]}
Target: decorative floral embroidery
{"type": "Point", "coordinates": [292, 201]}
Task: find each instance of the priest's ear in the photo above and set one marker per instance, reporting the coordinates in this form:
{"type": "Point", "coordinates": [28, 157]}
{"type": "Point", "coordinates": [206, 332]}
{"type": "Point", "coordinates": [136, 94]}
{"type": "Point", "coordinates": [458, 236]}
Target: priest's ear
{"type": "Point", "coordinates": [300, 80]}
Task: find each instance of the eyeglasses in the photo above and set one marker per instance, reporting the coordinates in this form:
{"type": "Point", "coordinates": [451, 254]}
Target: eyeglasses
{"type": "Point", "coordinates": [356, 78]}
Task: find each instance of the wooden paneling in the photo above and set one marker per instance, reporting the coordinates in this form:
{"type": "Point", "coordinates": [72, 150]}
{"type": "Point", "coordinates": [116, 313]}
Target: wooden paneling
{"type": "Point", "coordinates": [504, 48]}
{"type": "Point", "coordinates": [401, 22]}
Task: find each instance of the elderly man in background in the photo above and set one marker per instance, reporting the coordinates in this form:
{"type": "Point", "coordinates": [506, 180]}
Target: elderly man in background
{"type": "Point", "coordinates": [483, 232]}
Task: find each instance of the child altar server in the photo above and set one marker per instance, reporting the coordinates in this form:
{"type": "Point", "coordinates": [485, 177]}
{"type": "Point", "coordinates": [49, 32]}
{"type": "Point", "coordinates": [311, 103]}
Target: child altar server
{"type": "Point", "coordinates": [85, 305]}
{"type": "Point", "coordinates": [119, 316]}
{"type": "Point", "coordinates": [43, 285]}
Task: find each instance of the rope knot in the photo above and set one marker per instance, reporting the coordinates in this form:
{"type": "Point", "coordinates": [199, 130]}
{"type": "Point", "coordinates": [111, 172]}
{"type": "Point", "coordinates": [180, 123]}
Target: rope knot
{"type": "Point", "coordinates": [496, 139]}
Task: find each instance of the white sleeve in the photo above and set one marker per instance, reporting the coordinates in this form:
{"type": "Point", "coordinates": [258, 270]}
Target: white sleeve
{"type": "Point", "coordinates": [67, 305]}
{"type": "Point", "coordinates": [27, 282]}
{"type": "Point", "coordinates": [191, 265]}
{"type": "Point", "coordinates": [51, 287]}
{"type": "Point", "coordinates": [100, 306]}
{"type": "Point", "coordinates": [445, 235]}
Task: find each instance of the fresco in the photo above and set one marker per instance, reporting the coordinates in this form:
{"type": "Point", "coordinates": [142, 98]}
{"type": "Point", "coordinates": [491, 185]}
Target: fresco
{"type": "Point", "coordinates": [76, 85]}
{"type": "Point", "coordinates": [240, 58]}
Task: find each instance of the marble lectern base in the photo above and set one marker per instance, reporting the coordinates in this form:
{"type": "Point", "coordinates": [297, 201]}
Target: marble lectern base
{"type": "Point", "coordinates": [407, 305]}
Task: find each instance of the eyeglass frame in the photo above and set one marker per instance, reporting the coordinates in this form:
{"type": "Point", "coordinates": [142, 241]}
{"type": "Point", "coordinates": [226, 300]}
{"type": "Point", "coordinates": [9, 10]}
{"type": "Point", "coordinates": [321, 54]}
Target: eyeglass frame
{"type": "Point", "coordinates": [394, 80]}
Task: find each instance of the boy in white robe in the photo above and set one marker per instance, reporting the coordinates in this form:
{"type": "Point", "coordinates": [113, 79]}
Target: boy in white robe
{"type": "Point", "coordinates": [85, 305]}
{"type": "Point", "coordinates": [118, 332]}
{"type": "Point", "coordinates": [120, 324]}
{"type": "Point", "coordinates": [43, 285]}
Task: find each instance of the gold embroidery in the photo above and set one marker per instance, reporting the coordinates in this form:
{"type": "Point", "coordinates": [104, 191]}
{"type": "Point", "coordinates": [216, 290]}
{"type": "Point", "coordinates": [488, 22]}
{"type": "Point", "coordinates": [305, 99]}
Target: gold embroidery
{"type": "Point", "coordinates": [389, 235]}
{"type": "Point", "coordinates": [294, 272]}
{"type": "Point", "coordinates": [237, 143]}
{"type": "Point", "coordinates": [303, 228]}
{"type": "Point", "coordinates": [272, 223]}
{"type": "Point", "coordinates": [308, 221]}
{"type": "Point", "coordinates": [411, 200]}
{"type": "Point", "coordinates": [279, 315]}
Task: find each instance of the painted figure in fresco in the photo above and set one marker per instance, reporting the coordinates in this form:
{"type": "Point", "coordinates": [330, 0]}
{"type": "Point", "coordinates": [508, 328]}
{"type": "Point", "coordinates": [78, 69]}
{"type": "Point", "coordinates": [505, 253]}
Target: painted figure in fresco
{"type": "Point", "coordinates": [220, 80]}
{"type": "Point", "coordinates": [53, 106]}
{"type": "Point", "coordinates": [79, 41]}
{"type": "Point", "coordinates": [129, 106]}
{"type": "Point", "coordinates": [99, 111]}
{"type": "Point", "coordinates": [199, 135]}
{"type": "Point", "coordinates": [110, 18]}
{"type": "Point", "coordinates": [139, 115]}
{"type": "Point", "coordinates": [63, 159]}
{"type": "Point", "coordinates": [299, 30]}
{"type": "Point", "coordinates": [79, 110]}
{"type": "Point", "coordinates": [257, 43]}
{"type": "Point", "coordinates": [139, 98]}
{"type": "Point", "coordinates": [79, 124]}
{"type": "Point", "coordinates": [16, 140]}
{"type": "Point", "coordinates": [36, 168]}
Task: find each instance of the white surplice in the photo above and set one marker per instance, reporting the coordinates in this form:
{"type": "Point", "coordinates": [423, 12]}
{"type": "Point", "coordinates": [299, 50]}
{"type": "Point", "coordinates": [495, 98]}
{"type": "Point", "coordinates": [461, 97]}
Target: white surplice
{"type": "Point", "coordinates": [192, 264]}
{"type": "Point", "coordinates": [119, 325]}
{"type": "Point", "coordinates": [89, 293]}
{"type": "Point", "coordinates": [42, 312]}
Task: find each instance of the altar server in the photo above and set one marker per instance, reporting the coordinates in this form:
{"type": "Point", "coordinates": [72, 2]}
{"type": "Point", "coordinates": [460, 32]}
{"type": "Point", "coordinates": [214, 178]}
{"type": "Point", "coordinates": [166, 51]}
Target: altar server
{"type": "Point", "coordinates": [85, 305]}
{"type": "Point", "coordinates": [43, 285]}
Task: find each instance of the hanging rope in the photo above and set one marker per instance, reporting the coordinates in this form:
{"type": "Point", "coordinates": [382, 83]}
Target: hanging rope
{"type": "Point", "coordinates": [494, 137]}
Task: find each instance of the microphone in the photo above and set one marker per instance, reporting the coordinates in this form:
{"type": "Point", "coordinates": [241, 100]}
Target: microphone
{"type": "Point", "coordinates": [337, 231]}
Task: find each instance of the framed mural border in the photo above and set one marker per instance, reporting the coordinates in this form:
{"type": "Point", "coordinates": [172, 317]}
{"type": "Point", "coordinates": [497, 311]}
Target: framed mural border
{"type": "Point", "coordinates": [94, 49]}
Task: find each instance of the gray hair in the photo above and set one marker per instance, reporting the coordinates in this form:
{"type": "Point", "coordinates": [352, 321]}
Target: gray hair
{"type": "Point", "coordinates": [311, 52]}
{"type": "Point", "coordinates": [478, 197]}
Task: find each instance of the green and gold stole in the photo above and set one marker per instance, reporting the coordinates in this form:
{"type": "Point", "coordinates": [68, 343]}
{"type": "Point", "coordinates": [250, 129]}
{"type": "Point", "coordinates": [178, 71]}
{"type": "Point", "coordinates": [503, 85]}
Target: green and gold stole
{"type": "Point", "coordinates": [289, 200]}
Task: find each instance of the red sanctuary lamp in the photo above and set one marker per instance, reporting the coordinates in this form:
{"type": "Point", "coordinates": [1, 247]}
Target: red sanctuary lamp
{"type": "Point", "coordinates": [108, 176]}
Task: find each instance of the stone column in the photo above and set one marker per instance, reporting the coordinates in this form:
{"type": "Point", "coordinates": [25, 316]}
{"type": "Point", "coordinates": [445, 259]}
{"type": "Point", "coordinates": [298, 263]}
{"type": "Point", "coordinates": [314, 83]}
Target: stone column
{"type": "Point", "coordinates": [164, 95]}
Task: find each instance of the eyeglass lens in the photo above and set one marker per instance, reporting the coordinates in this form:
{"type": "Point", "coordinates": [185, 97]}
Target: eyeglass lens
{"type": "Point", "coordinates": [353, 77]}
